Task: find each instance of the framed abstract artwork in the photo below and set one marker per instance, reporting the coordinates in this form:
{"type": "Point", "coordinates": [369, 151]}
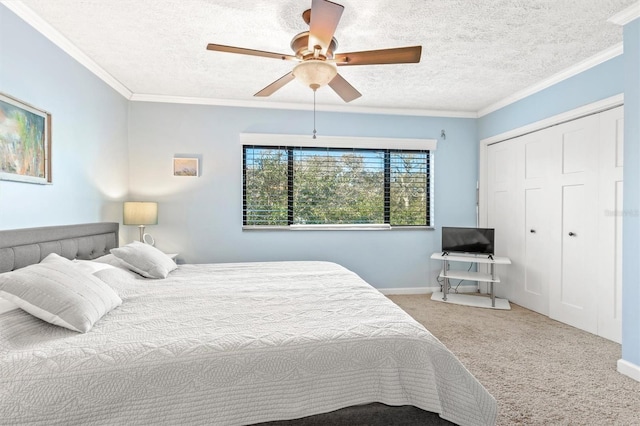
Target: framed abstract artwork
{"type": "Point", "coordinates": [185, 166]}
{"type": "Point", "coordinates": [25, 142]}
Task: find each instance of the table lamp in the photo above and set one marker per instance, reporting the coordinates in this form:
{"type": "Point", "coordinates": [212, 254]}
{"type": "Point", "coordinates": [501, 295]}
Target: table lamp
{"type": "Point", "coordinates": [140, 213]}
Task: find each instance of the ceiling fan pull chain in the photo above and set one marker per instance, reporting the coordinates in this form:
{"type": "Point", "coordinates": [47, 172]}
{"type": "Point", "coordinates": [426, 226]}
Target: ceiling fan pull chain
{"type": "Point", "coordinates": [314, 114]}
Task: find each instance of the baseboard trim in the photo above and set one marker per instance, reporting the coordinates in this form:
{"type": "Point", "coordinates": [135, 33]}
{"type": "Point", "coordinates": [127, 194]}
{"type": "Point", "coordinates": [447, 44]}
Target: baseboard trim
{"type": "Point", "coordinates": [408, 290]}
{"type": "Point", "coordinates": [629, 369]}
{"type": "Point", "coordinates": [424, 290]}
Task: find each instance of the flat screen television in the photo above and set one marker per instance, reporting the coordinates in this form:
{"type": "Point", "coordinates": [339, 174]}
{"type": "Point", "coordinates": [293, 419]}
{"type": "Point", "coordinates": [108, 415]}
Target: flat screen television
{"type": "Point", "coordinates": [468, 240]}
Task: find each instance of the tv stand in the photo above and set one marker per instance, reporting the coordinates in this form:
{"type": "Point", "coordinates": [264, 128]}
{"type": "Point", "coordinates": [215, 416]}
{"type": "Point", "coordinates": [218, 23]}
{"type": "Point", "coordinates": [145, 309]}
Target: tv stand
{"type": "Point", "coordinates": [446, 273]}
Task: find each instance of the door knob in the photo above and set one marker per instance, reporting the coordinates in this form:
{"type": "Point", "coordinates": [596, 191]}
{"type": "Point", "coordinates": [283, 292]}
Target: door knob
{"type": "Point", "coordinates": [572, 234]}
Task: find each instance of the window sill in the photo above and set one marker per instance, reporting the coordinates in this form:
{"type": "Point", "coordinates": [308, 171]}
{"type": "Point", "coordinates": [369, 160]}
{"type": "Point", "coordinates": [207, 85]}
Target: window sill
{"type": "Point", "coordinates": [350, 227]}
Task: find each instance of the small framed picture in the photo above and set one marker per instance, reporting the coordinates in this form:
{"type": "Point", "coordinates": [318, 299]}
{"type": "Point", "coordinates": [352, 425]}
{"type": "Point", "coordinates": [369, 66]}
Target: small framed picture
{"type": "Point", "coordinates": [25, 142]}
{"type": "Point", "coordinates": [183, 166]}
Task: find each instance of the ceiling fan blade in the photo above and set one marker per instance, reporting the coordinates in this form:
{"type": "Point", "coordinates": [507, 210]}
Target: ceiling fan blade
{"type": "Point", "coordinates": [400, 55]}
{"type": "Point", "coordinates": [270, 89]}
{"type": "Point", "coordinates": [345, 90]}
{"type": "Point", "coordinates": [243, 51]}
{"type": "Point", "coordinates": [325, 16]}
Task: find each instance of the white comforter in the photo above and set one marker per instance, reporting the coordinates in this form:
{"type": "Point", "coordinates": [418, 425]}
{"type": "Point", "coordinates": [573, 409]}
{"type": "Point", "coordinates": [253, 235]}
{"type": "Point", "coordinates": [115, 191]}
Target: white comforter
{"type": "Point", "coordinates": [232, 344]}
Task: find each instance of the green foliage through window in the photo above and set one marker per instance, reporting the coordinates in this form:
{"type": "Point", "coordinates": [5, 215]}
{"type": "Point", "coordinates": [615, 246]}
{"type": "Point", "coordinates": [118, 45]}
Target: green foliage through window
{"type": "Point", "coordinates": [284, 186]}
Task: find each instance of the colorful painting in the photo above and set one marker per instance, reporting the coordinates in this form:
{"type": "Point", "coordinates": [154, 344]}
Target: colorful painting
{"type": "Point", "coordinates": [25, 142]}
{"type": "Point", "coordinates": [185, 167]}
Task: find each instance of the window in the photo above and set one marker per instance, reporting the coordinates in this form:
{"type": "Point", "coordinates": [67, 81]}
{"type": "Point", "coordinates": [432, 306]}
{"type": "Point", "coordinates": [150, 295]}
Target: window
{"type": "Point", "coordinates": [283, 186]}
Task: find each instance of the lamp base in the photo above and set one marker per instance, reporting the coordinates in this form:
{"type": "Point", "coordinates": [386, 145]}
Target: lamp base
{"type": "Point", "coordinates": [141, 227]}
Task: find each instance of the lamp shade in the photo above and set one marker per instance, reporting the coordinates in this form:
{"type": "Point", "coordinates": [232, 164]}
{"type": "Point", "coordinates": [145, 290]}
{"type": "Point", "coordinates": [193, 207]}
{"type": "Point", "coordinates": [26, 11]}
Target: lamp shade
{"type": "Point", "coordinates": [314, 73]}
{"type": "Point", "coordinates": [140, 213]}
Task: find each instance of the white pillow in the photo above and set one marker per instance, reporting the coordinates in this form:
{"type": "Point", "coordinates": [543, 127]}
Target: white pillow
{"type": "Point", "coordinates": [146, 260]}
{"type": "Point", "coordinates": [89, 266]}
{"type": "Point", "coordinates": [6, 306]}
{"type": "Point", "coordinates": [58, 293]}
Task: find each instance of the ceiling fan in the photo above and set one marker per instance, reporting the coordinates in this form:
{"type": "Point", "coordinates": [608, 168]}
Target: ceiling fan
{"type": "Point", "coordinates": [315, 54]}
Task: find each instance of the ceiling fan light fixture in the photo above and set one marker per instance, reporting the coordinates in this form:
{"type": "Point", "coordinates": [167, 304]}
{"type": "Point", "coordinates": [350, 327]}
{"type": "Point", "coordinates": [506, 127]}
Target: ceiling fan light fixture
{"type": "Point", "coordinates": [315, 73]}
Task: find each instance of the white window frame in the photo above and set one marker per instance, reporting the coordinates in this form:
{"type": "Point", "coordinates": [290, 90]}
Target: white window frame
{"type": "Point", "coordinates": [348, 142]}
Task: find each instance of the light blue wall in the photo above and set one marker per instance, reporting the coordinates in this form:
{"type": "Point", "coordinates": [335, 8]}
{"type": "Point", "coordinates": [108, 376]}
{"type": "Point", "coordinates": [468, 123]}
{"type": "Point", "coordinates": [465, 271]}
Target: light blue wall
{"type": "Point", "coordinates": [594, 84]}
{"type": "Point", "coordinates": [202, 217]}
{"type": "Point", "coordinates": [89, 133]}
{"type": "Point", "coordinates": [631, 218]}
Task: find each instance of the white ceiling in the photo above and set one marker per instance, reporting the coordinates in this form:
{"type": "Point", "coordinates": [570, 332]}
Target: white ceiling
{"type": "Point", "coordinates": [476, 53]}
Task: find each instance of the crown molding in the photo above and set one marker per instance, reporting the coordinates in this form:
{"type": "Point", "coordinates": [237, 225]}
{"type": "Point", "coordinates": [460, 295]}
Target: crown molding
{"type": "Point", "coordinates": [53, 35]}
{"type": "Point", "coordinates": [624, 17]}
{"type": "Point", "coordinates": [576, 69]}
{"type": "Point", "coordinates": [296, 106]}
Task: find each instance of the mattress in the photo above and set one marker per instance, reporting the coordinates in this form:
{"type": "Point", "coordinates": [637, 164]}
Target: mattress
{"type": "Point", "coordinates": [231, 344]}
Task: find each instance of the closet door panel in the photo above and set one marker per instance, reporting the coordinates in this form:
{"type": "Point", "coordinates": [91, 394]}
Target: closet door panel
{"type": "Point", "coordinates": [536, 153]}
{"type": "Point", "coordinates": [574, 154]}
{"type": "Point", "coordinates": [609, 246]}
{"type": "Point", "coordinates": [535, 287]}
{"type": "Point", "coordinates": [575, 252]}
{"type": "Point", "coordinates": [573, 279]}
{"type": "Point", "coordinates": [500, 212]}
{"type": "Point", "coordinates": [576, 304]}
{"type": "Point", "coordinates": [501, 170]}
{"type": "Point", "coordinates": [534, 228]}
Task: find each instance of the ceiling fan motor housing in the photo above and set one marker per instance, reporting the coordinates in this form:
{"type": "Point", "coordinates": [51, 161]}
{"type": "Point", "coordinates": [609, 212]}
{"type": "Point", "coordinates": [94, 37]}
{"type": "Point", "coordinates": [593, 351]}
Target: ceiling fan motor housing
{"type": "Point", "coordinates": [300, 45]}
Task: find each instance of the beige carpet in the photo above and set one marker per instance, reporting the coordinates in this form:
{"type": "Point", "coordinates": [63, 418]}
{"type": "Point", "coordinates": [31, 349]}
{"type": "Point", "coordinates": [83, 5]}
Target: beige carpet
{"type": "Point", "coordinates": [540, 371]}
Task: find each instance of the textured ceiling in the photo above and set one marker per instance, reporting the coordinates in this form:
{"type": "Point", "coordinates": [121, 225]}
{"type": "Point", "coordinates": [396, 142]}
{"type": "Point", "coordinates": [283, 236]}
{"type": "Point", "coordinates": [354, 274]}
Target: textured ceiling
{"type": "Point", "coordinates": [475, 52]}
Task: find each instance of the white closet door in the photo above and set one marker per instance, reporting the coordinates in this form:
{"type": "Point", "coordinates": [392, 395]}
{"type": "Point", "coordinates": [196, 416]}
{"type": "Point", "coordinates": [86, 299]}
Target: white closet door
{"type": "Point", "coordinates": [534, 289]}
{"type": "Point", "coordinates": [609, 247]}
{"type": "Point", "coordinates": [563, 183]}
{"type": "Point", "coordinates": [573, 284]}
{"type": "Point", "coordinates": [500, 212]}
{"type": "Point", "coordinates": [522, 222]}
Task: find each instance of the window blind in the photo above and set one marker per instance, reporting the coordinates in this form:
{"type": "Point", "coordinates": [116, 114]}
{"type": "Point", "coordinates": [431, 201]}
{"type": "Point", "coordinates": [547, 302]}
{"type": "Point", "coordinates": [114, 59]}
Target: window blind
{"type": "Point", "coordinates": [284, 186]}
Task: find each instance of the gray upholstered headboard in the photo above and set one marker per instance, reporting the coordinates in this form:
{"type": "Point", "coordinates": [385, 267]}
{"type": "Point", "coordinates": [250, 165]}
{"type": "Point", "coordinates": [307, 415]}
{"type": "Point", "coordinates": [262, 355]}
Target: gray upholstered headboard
{"type": "Point", "coordinates": [23, 247]}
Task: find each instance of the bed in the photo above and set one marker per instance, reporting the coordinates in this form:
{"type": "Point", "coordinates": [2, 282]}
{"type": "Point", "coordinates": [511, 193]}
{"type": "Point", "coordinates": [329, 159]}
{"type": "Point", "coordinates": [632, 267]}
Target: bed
{"type": "Point", "coordinates": [279, 343]}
